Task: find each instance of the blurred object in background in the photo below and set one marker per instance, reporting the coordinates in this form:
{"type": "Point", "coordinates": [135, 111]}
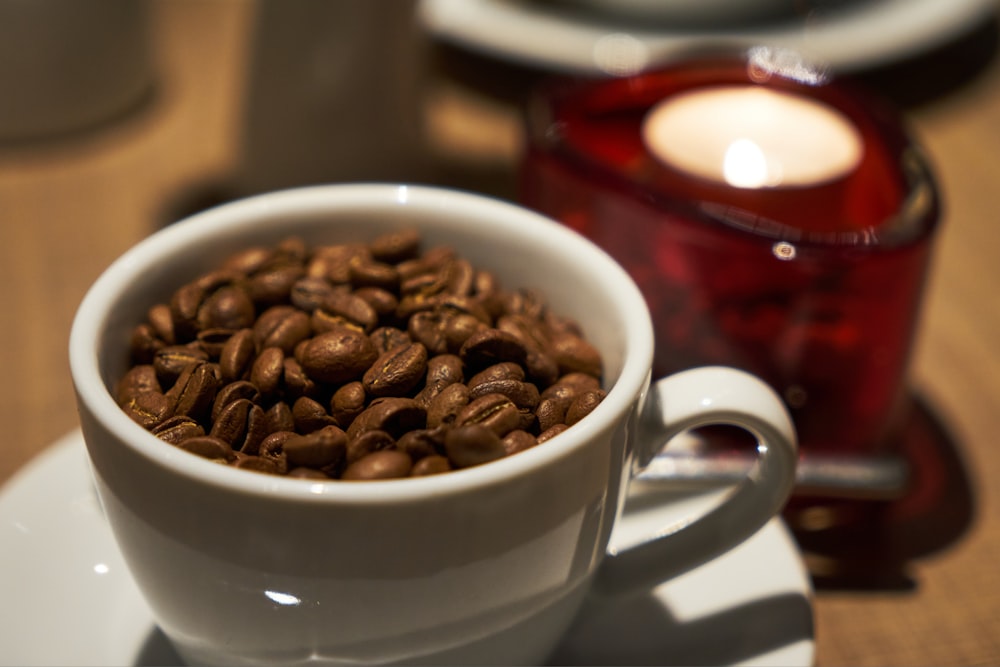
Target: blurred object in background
{"type": "Point", "coordinates": [333, 94]}
{"type": "Point", "coordinates": [68, 66]}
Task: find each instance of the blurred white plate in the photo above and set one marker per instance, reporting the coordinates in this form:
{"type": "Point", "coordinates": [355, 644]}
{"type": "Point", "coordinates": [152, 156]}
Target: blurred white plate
{"type": "Point", "coordinates": [552, 36]}
{"type": "Point", "coordinates": [67, 598]}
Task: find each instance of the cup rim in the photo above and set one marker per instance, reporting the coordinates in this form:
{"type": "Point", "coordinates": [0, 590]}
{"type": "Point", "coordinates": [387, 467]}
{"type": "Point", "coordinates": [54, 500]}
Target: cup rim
{"type": "Point", "coordinates": [97, 307]}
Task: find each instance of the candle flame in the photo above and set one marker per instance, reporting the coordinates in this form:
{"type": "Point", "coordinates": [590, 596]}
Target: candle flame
{"type": "Point", "coordinates": [745, 165]}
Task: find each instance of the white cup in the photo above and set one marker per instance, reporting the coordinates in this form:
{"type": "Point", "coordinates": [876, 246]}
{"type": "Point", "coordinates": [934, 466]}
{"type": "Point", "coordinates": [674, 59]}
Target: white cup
{"type": "Point", "coordinates": [485, 564]}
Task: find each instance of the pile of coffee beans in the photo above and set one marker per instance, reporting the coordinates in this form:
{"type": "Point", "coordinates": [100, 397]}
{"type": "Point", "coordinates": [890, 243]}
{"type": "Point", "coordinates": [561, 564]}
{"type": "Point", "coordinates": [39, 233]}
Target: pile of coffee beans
{"type": "Point", "coordinates": [356, 361]}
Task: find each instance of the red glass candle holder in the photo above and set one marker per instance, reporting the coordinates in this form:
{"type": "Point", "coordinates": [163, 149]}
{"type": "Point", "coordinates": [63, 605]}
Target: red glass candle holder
{"type": "Point", "coordinates": [816, 288]}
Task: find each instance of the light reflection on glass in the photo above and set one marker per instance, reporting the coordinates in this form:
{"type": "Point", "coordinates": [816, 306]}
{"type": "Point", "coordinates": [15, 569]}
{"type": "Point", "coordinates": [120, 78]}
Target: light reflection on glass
{"type": "Point", "coordinates": [286, 599]}
{"type": "Point", "coordinates": [745, 165]}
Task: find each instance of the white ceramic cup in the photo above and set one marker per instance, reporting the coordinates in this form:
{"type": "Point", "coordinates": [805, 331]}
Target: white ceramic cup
{"type": "Point", "coordinates": [486, 564]}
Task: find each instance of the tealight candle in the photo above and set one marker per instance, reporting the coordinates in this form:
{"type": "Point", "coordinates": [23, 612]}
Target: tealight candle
{"type": "Point", "coordinates": [777, 220]}
{"type": "Point", "coordinates": [752, 137]}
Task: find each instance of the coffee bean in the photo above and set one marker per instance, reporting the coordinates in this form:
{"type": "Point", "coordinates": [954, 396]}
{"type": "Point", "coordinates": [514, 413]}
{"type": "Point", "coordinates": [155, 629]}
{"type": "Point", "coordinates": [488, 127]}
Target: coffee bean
{"type": "Point", "coordinates": [395, 247]}
{"type": "Point", "coordinates": [171, 361]}
{"type": "Point", "coordinates": [268, 370]}
{"type": "Point", "coordinates": [338, 356]}
{"type": "Point", "coordinates": [324, 447]}
{"type": "Point", "coordinates": [194, 392]}
{"type": "Point", "coordinates": [444, 408]}
{"type": "Point", "coordinates": [523, 394]}
{"type": "Point", "coordinates": [237, 355]}
{"type": "Point", "coordinates": [365, 443]}
{"type": "Point", "coordinates": [283, 327]}
{"type": "Point", "coordinates": [430, 465]}
{"type": "Point", "coordinates": [518, 441]}
{"type": "Point", "coordinates": [574, 354]}
{"type": "Point", "coordinates": [137, 380]}
{"type": "Point", "coordinates": [209, 447]}
{"type": "Point", "coordinates": [377, 359]}
{"type": "Point", "coordinates": [494, 411]}
{"type": "Point", "coordinates": [178, 428]}
{"type": "Point", "coordinates": [383, 464]}
{"type": "Point", "coordinates": [347, 403]}
{"type": "Point", "coordinates": [393, 415]}
{"type": "Point", "coordinates": [149, 409]}
{"type": "Point", "coordinates": [492, 346]}
{"type": "Point", "coordinates": [472, 445]}
{"type": "Point", "coordinates": [397, 371]}
{"type": "Point", "coordinates": [583, 405]}
{"type": "Point", "coordinates": [310, 415]}
{"type": "Point", "coordinates": [228, 307]}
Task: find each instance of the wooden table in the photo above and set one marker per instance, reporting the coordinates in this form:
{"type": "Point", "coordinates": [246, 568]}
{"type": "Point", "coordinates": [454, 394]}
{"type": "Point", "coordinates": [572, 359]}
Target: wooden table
{"type": "Point", "coordinates": [68, 207]}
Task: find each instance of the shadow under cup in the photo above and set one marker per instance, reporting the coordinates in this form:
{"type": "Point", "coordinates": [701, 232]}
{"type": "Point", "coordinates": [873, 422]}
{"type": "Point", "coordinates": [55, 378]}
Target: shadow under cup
{"type": "Point", "coordinates": [814, 288]}
{"type": "Point", "coordinates": [487, 563]}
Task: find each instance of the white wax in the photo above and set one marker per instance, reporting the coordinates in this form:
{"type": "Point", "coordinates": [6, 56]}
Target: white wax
{"type": "Point", "coordinates": [748, 136]}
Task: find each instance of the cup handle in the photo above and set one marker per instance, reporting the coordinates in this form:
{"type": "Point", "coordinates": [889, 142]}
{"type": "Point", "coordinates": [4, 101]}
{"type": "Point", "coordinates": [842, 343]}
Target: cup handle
{"type": "Point", "coordinates": [686, 400]}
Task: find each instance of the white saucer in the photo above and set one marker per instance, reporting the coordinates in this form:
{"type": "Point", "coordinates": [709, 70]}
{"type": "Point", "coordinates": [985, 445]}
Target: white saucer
{"type": "Point", "coordinates": [554, 36]}
{"type": "Point", "coordinates": [66, 597]}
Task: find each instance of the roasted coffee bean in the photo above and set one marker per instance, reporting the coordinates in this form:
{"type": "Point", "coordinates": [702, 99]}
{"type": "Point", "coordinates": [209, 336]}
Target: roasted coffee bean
{"type": "Point", "coordinates": [383, 464]}
{"type": "Point", "coordinates": [228, 307]}
{"type": "Point", "coordinates": [144, 344]}
{"type": "Point", "coordinates": [268, 371]}
{"type": "Point", "coordinates": [395, 247]}
{"type": "Point", "coordinates": [444, 408]}
{"type": "Point", "coordinates": [428, 328]}
{"type": "Point", "coordinates": [430, 465]}
{"type": "Point", "coordinates": [209, 447]}
{"type": "Point", "coordinates": [503, 371]}
{"type": "Point", "coordinates": [551, 411]}
{"type": "Point", "coordinates": [523, 394]}
{"type": "Point", "coordinates": [136, 381]}
{"type": "Point", "coordinates": [518, 441]}
{"type": "Point", "coordinates": [347, 403]}
{"type": "Point", "coordinates": [352, 308]}
{"type": "Point", "coordinates": [237, 355]}
{"type": "Point", "coordinates": [442, 370]}
{"type": "Point", "coordinates": [421, 443]}
{"type": "Point", "coordinates": [162, 322]}
{"type": "Point", "coordinates": [171, 361]}
{"type": "Point", "coordinates": [184, 305]}
{"type": "Point", "coordinates": [472, 445]}
{"type": "Point", "coordinates": [178, 428]}
{"type": "Point", "coordinates": [279, 417]}
{"type": "Point", "coordinates": [382, 301]}
{"type": "Point", "coordinates": [492, 346]}
{"type": "Point", "coordinates": [379, 352]}
{"type": "Point", "coordinates": [309, 292]}
{"type": "Point", "coordinates": [333, 262]}
{"type": "Point", "coordinates": [365, 443]}
{"type": "Point", "coordinates": [281, 326]}
{"type": "Point", "coordinates": [272, 284]}
{"type": "Point", "coordinates": [494, 411]}
{"type": "Point", "coordinates": [393, 415]}
{"type": "Point", "coordinates": [338, 356]}
{"type": "Point", "coordinates": [258, 464]}
{"type": "Point", "coordinates": [212, 341]}
{"type": "Point", "coordinates": [551, 432]}
{"type": "Point", "coordinates": [583, 405]}
{"type": "Point", "coordinates": [149, 409]}
{"type": "Point", "coordinates": [368, 272]}
{"type": "Point", "coordinates": [388, 338]}
{"type": "Point", "coordinates": [249, 260]}
{"type": "Point", "coordinates": [319, 449]}
{"type": "Point", "coordinates": [194, 392]}
{"type": "Point", "coordinates": [296, 382]}
{"type": "Point", "coordinates": [241, 424]}
{"type": "Point", "coordinates": [574, 354]}
{"type": "Point", "coordinates": [310, 415]}
{"type": "Point", "coordinates": [397, 371]}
